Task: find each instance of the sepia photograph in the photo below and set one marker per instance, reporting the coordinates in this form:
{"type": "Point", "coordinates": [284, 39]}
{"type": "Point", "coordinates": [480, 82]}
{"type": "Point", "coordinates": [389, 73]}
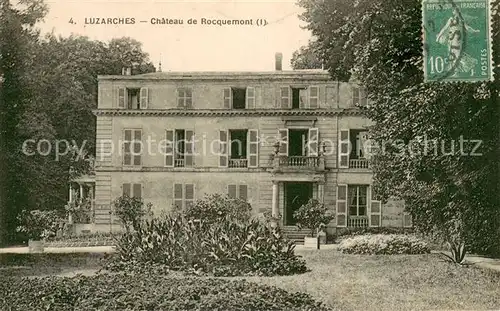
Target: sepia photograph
{"type": "Point", "coordinates": [249, 155]}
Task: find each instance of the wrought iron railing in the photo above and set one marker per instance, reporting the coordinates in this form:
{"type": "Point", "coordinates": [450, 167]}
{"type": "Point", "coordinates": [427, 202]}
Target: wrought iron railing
{"type": "Point", "coordinates": [238, 163]}
{"type": "Point", "coordinates": [299, 161]}
{"type": "Point", "coordinates": [357, 221]}
{"type": "Point", "coordinates": [179, 162]}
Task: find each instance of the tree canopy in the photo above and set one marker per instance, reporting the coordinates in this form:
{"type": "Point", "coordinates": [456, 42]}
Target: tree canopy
{"type": "Point", "coordinates": [380, 42]}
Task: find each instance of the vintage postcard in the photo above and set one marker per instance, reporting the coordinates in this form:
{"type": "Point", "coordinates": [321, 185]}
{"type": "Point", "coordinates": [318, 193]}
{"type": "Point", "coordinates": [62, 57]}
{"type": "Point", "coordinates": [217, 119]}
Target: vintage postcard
{"type": "Point", "coordinates": [249, 155]}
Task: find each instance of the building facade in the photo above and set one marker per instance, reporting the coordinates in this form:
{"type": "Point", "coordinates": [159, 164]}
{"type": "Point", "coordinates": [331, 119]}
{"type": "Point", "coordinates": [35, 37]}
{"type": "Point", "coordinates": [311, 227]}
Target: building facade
{"type": "Point", "coordinates": [273, 138]}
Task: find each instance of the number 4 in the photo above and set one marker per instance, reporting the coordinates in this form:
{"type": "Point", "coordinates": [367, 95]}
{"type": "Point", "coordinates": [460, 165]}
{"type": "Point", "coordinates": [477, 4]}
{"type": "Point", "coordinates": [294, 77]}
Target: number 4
{"type": "Point", "coordinates": [71, 21]}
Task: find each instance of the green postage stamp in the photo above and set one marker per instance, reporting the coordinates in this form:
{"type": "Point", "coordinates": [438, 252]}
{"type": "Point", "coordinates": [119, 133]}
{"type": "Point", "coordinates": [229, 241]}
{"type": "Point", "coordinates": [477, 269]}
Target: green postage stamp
{"type": "Point", "coordinates": [457, 40]}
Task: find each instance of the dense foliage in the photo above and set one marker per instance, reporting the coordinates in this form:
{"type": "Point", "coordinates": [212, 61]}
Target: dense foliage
{"type": "Point", "coordinates": [215, 208]}
{"type": "Point", "coordinates": [38, 225]}
{"type": "Point", "coordinates": [147, 292]}
{"type": "Point", "coordinates": [383, 244]}
{"type": "Point", "coordinates": [426, 133]}
{"type": "Point", "coordinates": [349, 232]}
{"type": "Point", "coordinates": [313, 215]}
{"type": "Point", "coordinates": [131, 211]}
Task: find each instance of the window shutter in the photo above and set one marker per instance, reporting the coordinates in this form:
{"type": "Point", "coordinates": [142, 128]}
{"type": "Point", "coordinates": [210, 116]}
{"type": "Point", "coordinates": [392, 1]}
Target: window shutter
{"type": "Point", "coordinates": [121, 97]}
{"type": "Point", "coordinates": [375, 213]}
{"type": "Point", "coordinates": [144, 93]}
{"type": "Point", "coordinates": [189, 98]}
{"type": "Point", "coordinates": [355, 95]}
{"type": "Point", "coordinates": [243, 192]}
{"type": "Point", "coordinates": [285, 97]}
{"type": "Point", "coordinates": [312, 142]}
{"type": "Point", "coordinates": [344, 143]}
{"type": "Point", "coordinates": [137, 190]}
{"type": "Point", "coordinates": [137, 147]}
{"type": "Point", "coordinates": [180, 97]}
{"type": "Point", "coordinates": [126, 190]}
{"type": "Point", "coordinates": [223, 152]}
{"type": "Point", "coordinates": [253, 148]}
{"type": "Point", "coordinates": [341, 205]}
{"type": "Point", "coordinates": [178, 196]}
{"type": "Point", "coordinates": [283, 136]}
{"type": "Point", "coordinates": [362, 97]}
{"type": "Point", "coordinates": [407, 220]}
{"type": "Point", "coordinates": [189, 194]}
{"type": "Point", "coordinates": [227, 96]}
{"type": "Point", "coordinates": [169, 148]}
{"type": "Point", "coordinates": [250, 98]}
{"type": "Point", "coordinates": [231, 191]}
{"type": "Point", "coordinates": [313, 97]}
{"type": "Point", "coordinates": [189, 148]}
{"type": "Point", "coordinates": [127, 147]}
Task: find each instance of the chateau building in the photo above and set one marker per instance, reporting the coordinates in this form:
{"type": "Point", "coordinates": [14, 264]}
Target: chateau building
{"type": "Point", "coordinates": [272, 138]}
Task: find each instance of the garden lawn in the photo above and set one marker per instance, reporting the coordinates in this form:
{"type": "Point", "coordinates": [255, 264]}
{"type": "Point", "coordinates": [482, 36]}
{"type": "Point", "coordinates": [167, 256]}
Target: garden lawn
{"type": "Point", "coordinates": [392, 282]}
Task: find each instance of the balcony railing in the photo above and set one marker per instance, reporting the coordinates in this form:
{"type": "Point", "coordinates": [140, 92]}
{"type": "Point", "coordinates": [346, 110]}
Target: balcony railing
{"type": "Point", "coordinates": [298, 161]}
{"type": "Point", "coordinates": [238, 163]}
{"type": "Point", "coordinates": [357, 221]}
{"type": "Point", "coordinates": [358, 163]}
{"type": "Point", "coordinates": [179, 162]}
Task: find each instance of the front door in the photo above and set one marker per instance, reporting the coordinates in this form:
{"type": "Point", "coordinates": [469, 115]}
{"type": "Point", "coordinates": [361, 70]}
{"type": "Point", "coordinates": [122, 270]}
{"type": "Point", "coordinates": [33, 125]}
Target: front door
{"type": "Point", "coordinates": [296, 195]}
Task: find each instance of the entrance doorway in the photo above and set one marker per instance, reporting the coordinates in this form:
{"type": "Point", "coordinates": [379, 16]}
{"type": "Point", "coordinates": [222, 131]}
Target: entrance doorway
{"type": "Point", "coordinates": [296, 195]}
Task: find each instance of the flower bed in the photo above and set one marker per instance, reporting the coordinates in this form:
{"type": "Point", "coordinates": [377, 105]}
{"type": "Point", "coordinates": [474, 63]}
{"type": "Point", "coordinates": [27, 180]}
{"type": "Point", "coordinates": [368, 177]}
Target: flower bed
{"type": "Point", "coordinates": [147, 292]}
{"type": "Point", "coordinates": [383, 244]}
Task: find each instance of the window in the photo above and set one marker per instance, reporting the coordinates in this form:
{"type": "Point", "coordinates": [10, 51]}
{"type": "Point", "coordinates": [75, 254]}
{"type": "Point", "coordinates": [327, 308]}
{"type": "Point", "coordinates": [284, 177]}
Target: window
{"type": "Point", "coordinates": [299, 142]}
{"type": "Point", "coordinates": [358, 139]}
{"type": "Point", "coordinates": [179, 151]}
{"type": "Point", "coordinates": [299, 97]}
{"type": "Point", "coordinates": [238, 148]}
{"type": "Point", "coordinates": [355, 148]}
{"type": "Point", "coordinates": [359, 97]}
{"type": "Point", "coordinates": [184, 98]}
{"type": "Point", "coordinates": [132, 147]}
{"type": "Point", "coordinates": [132, 190]}
{"type": "Point", "coordinates": [239, 97]}
{"type": "Point", "coordinates": [238, 191]}
{"type": "Point", "coordinates": [183, 196]}
{"type": "Point", "coordinates": [357, 197]}
{"type": "Point", "coordinates": [133, 98]}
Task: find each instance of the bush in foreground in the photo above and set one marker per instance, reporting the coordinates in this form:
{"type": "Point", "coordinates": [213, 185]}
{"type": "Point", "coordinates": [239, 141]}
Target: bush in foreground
{"type": "Point", "coordinates": [384, 244]}
{"type": "Point", "coordinates": [147, 292]}
{"type": "Point", "coordinates": [225, 248]}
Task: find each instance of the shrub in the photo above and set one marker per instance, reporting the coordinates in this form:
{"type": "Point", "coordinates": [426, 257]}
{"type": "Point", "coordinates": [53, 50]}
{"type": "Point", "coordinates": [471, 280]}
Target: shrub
{"type": "Point", "coordinates": [350, 232]}
{"type": "Point", "coordinates": [224, 248]}
{"type": "Point", "coordinates": [131, 211]}
{"type": "Point", "coordinates": [215, 208]}
{"type": "Point", "coordinates": [382, 244]}
{"type": "Point", "coordinates": [147, 292]}
{"type": "Point", "coordinates": [313, 216]}
{"type": "Point", "coordinates": [38, 224]}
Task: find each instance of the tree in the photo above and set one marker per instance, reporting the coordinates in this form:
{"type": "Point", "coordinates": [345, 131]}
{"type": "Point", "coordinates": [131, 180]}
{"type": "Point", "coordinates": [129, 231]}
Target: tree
{"type": "Point", "coordinates": [16, 35]}
{"type": "Point", "coordinates": [307, 57]}
{"type": "Point", "coordinates": [439, 188]}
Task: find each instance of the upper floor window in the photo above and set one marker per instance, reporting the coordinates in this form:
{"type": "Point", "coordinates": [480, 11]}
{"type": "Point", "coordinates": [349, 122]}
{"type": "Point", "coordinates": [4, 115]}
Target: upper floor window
{"type": "Point", "coordinates": [298, 142]}
{"type": "Point", "coordinates": [133, 98]}
{"type": "Point", "coordinates": [238, 148]}
{"type": "Point", "coordinates": [239, 97]}
{"type": "Point", "coordinates": [132, 147]}
{"type": "Point", "coordinates": [184, 97]}
{"type": "Point", "coordinates": [359, 97]}
{"type": "Point", "coordinates": [179, 148]}
{"type": "Point", "coordinates": [355, 148]}
{"type": "Point", "coordinates": [183, 196]}
{"type": "Point", "coordinates": [299, 97]}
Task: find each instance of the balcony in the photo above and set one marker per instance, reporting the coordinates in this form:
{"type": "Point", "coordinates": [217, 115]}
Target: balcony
{"type": "Point", "coordinates": [359, 163]}
{"type": "Point", "coordinates": [357, 221]}
{"type": "Point", "coordinates": [238, 163]}
{"type": "Point", "coordinates": [298, 161]}
{"type": "Point", "coordinates": [179, 162]}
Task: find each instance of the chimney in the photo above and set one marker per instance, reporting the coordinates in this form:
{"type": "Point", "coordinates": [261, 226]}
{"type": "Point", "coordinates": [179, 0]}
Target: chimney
{"type": "Point", "coordinates": [278, 61]}
{"type": "Point", "coordinates": [129, 71]}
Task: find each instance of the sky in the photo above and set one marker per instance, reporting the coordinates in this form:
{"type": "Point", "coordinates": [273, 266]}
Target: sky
{"type": "Point", "coordinates": [190, 47]}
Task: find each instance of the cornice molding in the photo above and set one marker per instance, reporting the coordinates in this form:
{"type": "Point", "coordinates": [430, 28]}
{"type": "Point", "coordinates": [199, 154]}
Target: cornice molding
{"type": "Point", "coordinates": [227, 113]}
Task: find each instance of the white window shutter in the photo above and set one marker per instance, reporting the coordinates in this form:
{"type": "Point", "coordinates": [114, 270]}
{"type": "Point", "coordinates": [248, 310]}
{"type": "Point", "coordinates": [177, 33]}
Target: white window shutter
{"type": "Point", "coordinates": [227, 96]}
{"type": "Point", "coordinates": [121, 97]}
{"type": "Point", "coordinates": [283, 140]}
{"type": "Point", "coordinates": [144, 94]}
{"type": "Point", "coordinates": [375, 213]}
{"type": "Point", "coordinates": [137, 190]}
{"type": "Point", "coordinates": [232, 191]}
{"type": "Point", "coordinates": [224, 148]}
{"type": "Point", "coordinates": [189, 194]}
{"type": "Point", "coordinates": [169, 148]}
{"type": "Point", "coordinates": [178, 196]}
{"type": "Point", "coordinates": [243, 192]}
{"type": "Point", "coordinates": [189, 148]}
{"type": "Point", "coordinates": [137, 156]}
{"type": "Point", "coordinates": [303, 99]}
{"type": "Point", "coordinates": [341, 206]}
{"type": "Point", "coordinates": [355, 95]}
{"type": "Point", "coordinates": [126, 190]}
{"type": "Point", "coordinates": [285, 97]}
{"type": "Point", "coordinates": [253, 148]}
{"type": "Point", "coordinates": [127, 147]}
{"type": "Point", "coordinates": [344, 144]}
{"type": "Point", "coordinates": [314, 97]}
{"type": "Point", "coordinates": [250, 98]}
{"type": "Point", "coordinates": [312, 142]}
